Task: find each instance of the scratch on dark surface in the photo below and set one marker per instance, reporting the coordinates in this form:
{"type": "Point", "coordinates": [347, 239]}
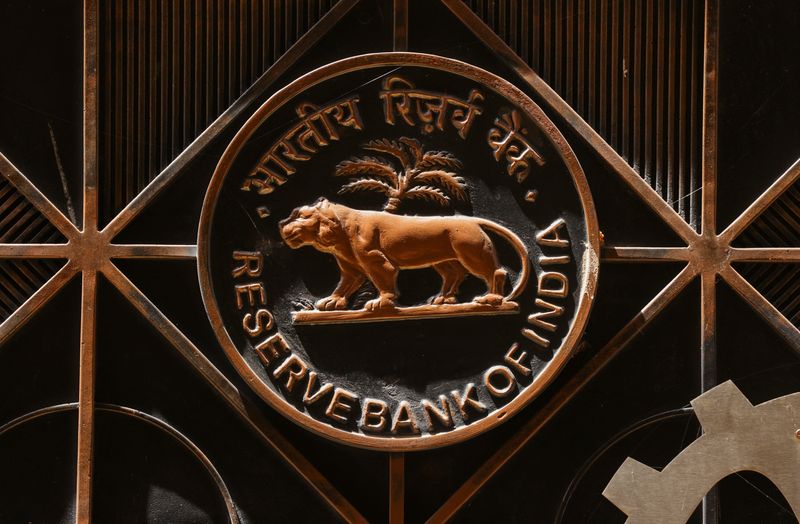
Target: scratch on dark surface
{"type": "Point", "coordinates": [687, 195]}
{"type": "Point", "coordinates": [762, 492]}
{"type": "Point", "coordinates": [64, 186]}
{"type": "Point", "coordinates": [244, 210]}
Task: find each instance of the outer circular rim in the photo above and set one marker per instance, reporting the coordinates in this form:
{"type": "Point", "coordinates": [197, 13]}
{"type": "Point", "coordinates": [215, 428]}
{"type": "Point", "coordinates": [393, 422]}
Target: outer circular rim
{"type": "Point", "coordinates": [589, 268]}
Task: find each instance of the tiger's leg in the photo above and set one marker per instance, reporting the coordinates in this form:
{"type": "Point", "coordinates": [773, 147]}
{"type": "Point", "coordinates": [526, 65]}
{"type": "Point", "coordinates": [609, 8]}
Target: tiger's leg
{"type": "Point", "coordinates": [351, 278]}
{"type": "Point", "coordinates": [453, 274]}
{"type": "Point", "coordinates": [478, 256]}
{"type": "Point", "coordinates": [383, 275]}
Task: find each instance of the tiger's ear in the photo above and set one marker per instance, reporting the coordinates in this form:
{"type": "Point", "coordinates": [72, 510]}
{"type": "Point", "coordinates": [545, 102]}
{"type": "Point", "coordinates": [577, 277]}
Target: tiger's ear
{"type": "Point", "coordinates": [321, 202]}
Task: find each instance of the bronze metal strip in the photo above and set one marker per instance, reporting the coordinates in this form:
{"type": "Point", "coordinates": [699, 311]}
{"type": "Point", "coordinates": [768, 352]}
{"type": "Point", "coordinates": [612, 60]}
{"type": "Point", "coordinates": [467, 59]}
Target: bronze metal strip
{"type": "Point", "coordinates": [35, 250]}
{"type": "Point", "coordinates": [709, 167]}
{"type": "Point", "coordinates": [574, 121]}
{"type": "Point", "coordinates": [151, 251]}
{"type": "Point", "coordinates": [83, 512]}
{"type": "Point", "coordinates": [648, 163]}
{"type": "Point", "coordinates": [128, 184]}
{"type": "Point", "coordinates": [615, 76]}
{"type": "Point", "coordinates": [683, 132]}
{"type": "Point", "coordinates": [83, 493]}
{"type": "Point", "coordinates": [90, 45]}
{"type": "Point", "coordinates": [400, 25]}
{"type": "Point", "coordinates": [245, 409]}
{"type": "Point", "coordinates": [660, 173]}
{"type": "Point", "coordinates": [176, 167]}
{"type": "Point", "coordinates": [708, 330]}
{"type": "Point", "coordinates": [672, 170]}
{"type": "Point", "coordinates": [765, 254]}
{"type": "Point", "coordinates": [708, 291]}
{"type": "Point", "coordinates": [568, 391]}
{"type": "Point", "coordinates": [397, 487]}
{"type": "Point", "coordinates": [645, 254]}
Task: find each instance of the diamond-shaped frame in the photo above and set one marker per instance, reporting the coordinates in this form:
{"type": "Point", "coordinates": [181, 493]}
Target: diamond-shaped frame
{"type": "Point", "coordinates": [89, 251]}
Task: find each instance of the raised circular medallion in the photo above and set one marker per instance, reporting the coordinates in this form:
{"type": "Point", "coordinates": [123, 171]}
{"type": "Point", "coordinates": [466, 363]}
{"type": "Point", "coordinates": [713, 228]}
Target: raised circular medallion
{"type": "Point", "coordinates": [398, 251]}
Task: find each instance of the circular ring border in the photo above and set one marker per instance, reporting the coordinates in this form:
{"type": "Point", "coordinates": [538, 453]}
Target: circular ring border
{"type": "Point", "coordinates": [590, 263]}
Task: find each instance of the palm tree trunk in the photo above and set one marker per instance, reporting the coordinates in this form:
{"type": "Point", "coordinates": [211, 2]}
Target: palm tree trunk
{"type": "Point", "coordinates": [392, 205]}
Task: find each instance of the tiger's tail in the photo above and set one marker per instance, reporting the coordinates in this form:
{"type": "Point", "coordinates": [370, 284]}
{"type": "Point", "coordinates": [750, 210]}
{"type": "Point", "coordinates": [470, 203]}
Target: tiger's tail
{"type": "Point", "coordinates": [521, 250]}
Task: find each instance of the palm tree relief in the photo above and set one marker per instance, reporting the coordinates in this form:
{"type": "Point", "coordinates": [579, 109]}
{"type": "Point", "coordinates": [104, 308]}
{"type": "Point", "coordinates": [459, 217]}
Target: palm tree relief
{"type": "Point", "coordinates": [427, 176]}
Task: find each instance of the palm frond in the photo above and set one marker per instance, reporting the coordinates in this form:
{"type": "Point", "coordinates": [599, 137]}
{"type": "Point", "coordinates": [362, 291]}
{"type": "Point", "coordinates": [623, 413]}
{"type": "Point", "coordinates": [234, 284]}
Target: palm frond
{"type": "Point", "coordinates": [367, 184]}
{"type": "Point", "coordinates": [366, 166]}
{"type": "Point", "coordinates": [428, 193]}
{"type": "Point", "coordinates": [447, 180]}
{"type": "Point", "coordinates": [414, 147]}
{"type": "Point", "coordinates": [390, 147]}
{"type": "Point", "coordinates": [438, 159]}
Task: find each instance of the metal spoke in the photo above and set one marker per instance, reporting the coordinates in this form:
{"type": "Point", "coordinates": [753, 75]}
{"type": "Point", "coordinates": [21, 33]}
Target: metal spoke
{"type": "Point", "coordinates": [35, 251]}
{"type": "Point", "coordinates": [566, 393]}
{"type": "Point", "coordinates": [709, 166]}
{"type": "Point", "coordinates": [400, 25]}
{"type": "Point", "coordinates": [708, 330]}
{"type": "Point", "coordinates": [645, 254]}
{"type": "Point", "coordinates": [83, 513]}
{"type": "Point", "coordinates": [152, 251]}
{"type": "Point", "coordinates": [765, 254]}
{"type": "Point", "coordinates": [708, 291]}
{"type": "Point", "coordinates": [397, 488]}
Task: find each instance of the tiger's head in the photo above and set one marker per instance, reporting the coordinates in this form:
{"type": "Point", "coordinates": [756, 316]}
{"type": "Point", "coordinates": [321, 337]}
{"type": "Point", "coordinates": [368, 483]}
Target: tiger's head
{"type": "Point", "coordinates": [315, 225]}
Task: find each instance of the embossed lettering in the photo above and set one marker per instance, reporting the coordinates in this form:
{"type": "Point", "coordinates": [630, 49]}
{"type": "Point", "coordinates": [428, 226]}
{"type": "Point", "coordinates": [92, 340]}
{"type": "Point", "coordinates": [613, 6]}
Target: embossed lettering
{"type": "Point", "coordinates": [550, 237]}
{"type": "Point", "coordinates": [256, 324]}
{"type": "Point", "coordinates": [468, 399]}
{"type": "Point", "coordinates": [375, 415]}
{"type": "Point", "coordinates": [438, 415]}
{"type": "Point", "coordinates": [311, 398]}
{"type": "Point", "coordinates": [251, 263]}
{"type": "Point", "coordinates": [340, 402]}
{"type": "Point", "coordinates": [516, 363]}
{"type": "Point", "coordinates": [271, 349]}
{"type": "Point", "coordinates": [404, 420]}
{"type": "Point", "coordinates": [249, 290]}
{"type": "Point", "coordinates": [296, 369]}
{"type": "Point", "coordinates": [553, 284]}
{"type": "Point", "coordinates": [506, 377]}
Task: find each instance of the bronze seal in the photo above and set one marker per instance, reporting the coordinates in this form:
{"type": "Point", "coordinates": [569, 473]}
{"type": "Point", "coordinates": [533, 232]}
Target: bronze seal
{"type": "Point", "coordinates": [398, 251]}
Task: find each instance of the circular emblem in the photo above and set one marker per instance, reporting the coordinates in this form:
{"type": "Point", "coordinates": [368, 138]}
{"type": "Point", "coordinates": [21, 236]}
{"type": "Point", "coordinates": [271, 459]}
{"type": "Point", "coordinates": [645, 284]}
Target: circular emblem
{"type": "Point", "coordinates": [398, 251]}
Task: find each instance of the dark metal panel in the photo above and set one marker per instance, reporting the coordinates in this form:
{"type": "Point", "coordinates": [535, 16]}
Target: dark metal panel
{"type": "Point", "coordinates": [637, 65]}
{"type": "Point", "coordinates": [154, 106]}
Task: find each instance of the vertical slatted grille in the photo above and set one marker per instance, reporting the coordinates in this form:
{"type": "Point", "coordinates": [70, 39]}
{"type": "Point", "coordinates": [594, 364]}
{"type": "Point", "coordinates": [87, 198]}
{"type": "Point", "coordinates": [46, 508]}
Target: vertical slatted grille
{"type": "Point", "coordinates": [778, 226]}
{"type": "Point", "coordinates": [21, 223]}
{"type": "Point", "coordinates": [631, 68]}
{"type": "Point", "coordinates": [168, 68]}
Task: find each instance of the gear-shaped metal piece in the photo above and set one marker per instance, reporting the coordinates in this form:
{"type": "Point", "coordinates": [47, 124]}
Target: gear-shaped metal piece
{"type": "Point", "coordinates": [737, 437]}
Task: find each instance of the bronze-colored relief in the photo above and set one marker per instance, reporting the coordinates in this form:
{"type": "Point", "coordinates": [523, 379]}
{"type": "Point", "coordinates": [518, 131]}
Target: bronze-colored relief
{"type": "Point", "coordinates": [372, 191]}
